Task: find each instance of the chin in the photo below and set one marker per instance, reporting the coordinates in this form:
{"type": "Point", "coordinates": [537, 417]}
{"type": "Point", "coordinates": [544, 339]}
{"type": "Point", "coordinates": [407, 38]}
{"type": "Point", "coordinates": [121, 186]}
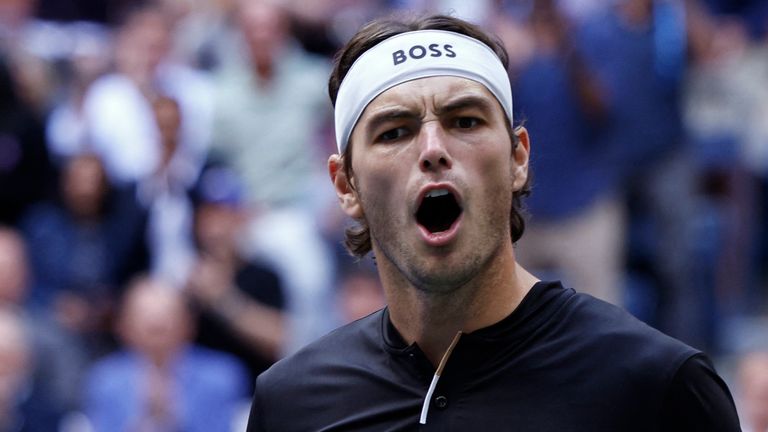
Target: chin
{"type": "Point", "coordinates": [443, 276]}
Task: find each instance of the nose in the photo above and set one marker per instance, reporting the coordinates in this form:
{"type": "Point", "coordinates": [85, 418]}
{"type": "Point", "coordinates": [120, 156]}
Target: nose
{"type": "Point", "coordinates": [434, 154]}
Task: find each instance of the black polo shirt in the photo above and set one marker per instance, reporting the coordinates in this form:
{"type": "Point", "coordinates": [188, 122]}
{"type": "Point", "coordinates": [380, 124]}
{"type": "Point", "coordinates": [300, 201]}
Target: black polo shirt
{"type": "Point", "coordinates": [561, 361]}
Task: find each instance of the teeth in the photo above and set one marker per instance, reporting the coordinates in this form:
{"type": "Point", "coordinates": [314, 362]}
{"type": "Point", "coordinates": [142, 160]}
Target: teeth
{"type": "Point", "coordinates": [436, 193]}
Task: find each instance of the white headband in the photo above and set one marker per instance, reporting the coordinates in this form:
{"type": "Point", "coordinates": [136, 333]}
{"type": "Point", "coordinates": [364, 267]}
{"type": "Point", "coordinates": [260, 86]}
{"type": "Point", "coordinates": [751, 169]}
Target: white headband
{"type": "Point", "coordinates": [413, 55]}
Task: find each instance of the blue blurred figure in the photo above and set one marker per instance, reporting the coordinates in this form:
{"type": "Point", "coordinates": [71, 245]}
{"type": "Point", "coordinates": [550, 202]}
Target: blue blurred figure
{"type": "Point", "coordinates": [160, 381]}
{"type": "Point", "coordinates": [576, 230]}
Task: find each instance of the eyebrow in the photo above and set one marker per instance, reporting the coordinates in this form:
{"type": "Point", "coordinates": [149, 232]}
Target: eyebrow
{"type": "Point", "coordinates": [398, 113]}
{"type": "Point", "coordinates": [388, 115]}
{"type": "Point", "coordinates": [463, 102]}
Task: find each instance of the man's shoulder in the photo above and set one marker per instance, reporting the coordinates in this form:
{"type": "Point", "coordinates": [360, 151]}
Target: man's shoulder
{"type": "Point", "coordinates": [344, 347]}
{"type": "Point", "coordinates": [327, 369]}
{"type": "Point", "coordinates": [351, 379]}
{"type": "Point", "coordinates": [605, 327]}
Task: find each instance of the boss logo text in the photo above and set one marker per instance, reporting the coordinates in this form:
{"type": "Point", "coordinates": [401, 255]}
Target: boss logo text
{"type": "Point", "coordinates": [418, 52]}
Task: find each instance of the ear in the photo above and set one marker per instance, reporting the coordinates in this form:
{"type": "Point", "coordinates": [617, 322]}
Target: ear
{"type": "Point", "coordinates": [521, 154]}
{"type": "Point", "coordinates": [345, 190]}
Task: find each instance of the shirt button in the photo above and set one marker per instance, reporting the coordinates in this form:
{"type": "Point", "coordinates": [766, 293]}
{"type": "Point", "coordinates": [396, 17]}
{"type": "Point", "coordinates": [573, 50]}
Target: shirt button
{"type": "Point", "coordinates": [441, 402]}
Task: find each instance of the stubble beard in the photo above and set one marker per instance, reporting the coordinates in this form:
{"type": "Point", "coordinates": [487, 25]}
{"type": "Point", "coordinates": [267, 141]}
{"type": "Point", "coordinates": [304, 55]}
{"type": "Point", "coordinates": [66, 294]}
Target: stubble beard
{"type": "Point", "coordinates": [429, 274]}
{"type": "Point", "coordinates": [444, 279]}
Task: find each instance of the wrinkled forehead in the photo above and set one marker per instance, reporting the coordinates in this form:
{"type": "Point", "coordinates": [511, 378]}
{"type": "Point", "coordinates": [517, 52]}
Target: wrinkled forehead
{"type": "Point", "coordinates": [431, 95]}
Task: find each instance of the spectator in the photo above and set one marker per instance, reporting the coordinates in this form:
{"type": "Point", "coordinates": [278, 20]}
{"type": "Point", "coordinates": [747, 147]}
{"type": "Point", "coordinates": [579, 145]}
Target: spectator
{"type": "Point", "coordinates": [82, 247]}
{"type": "Point", "coordinates": [58, 357]}
{"type": "Point", "coordinates": [753, 382]}
{"type": "Point", "coordinates": [271, 86]}
{"type": "Point", "coordinates": [270, 111]}
{"type": "Point", "coordinates": [26, 44]}
{"type": "Point", "coordinates": [160, 380]}
{"type": "Point", "coordinates": [25, 171]}
{"type": "Point", "coordinates": [13, 267]}
{"type": "Point", "coordinates": [722, 106]}
{"type": "Point", "coordinates": [88, 59]}
{"type": "Point", "coordinates": [241, 302]}
{"type": "Point", "coordinates": [165, 193]}
{"type": "Point", "coordinates": [638, 51]}
{"type": "Point", "coordinates": [559, 96]}
{"type": "Point", "coordinates": [196, 25]}
{"type": "Point", "coordinates": [23, 405]}
{"type": "Point", "coordinates": [756, 159]}
{"type": "Point", "coordinates": [121, 124]}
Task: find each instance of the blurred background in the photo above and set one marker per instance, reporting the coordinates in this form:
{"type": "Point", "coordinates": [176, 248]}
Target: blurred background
{"type": "Point", "coordinates": [168, 230]}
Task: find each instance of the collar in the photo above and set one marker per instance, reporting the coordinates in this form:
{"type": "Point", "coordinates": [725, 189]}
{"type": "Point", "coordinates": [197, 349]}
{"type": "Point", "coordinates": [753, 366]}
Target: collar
{"type": "Point", "coordinates": [518, 324]}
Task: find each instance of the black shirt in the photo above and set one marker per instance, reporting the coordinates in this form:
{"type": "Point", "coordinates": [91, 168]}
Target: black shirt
{"type": "Point", "coordinates": [258, 283]}
{"type": "Point", "coordinates": [561, 361]}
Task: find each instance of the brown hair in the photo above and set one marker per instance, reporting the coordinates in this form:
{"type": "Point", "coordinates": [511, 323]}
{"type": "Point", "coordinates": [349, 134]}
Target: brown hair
{"type": "Point", "coordinates": [358, 237]}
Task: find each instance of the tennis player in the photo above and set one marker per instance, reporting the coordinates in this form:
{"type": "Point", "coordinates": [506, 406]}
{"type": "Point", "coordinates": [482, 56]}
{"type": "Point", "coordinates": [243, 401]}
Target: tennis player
{"type": "Point", "coordinates": [433, 172]}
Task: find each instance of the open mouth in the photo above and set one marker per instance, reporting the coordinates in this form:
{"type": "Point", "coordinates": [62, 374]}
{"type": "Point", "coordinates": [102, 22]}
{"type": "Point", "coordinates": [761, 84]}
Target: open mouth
{"type": "Point", "coordinates": [438, 211]}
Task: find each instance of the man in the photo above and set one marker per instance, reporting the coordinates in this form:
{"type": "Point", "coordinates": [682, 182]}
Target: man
{"type": "Point", "coordinates": [560, 97]}
{"type": "Point", "coordinates": [430, 167]}
{"type": "Point", "coordinates": [57, 357]}
{"type": "Point", "coordinates": [160, 380]}
{"type": "Point", "coordinates": [120, 124]}
{"type": "Point", "coordinates": [24, 403]}
{"type": "Point", "coordinates": [752, 375]}
{"type": "Point", "coordinates": [260, 100]}
{"type": "Point", "coordinates": [240, 302]}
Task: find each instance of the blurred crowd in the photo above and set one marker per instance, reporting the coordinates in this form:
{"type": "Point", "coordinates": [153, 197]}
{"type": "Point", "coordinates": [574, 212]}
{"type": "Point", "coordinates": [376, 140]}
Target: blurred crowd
{"type": "Point", "coordinates": [168, 230]}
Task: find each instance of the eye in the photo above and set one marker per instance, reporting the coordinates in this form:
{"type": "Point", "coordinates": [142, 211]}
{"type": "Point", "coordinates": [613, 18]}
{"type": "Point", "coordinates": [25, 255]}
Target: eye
{"type": "Point", "coordinates": [393, 134]}
{"type": "Point", "coordinates": [466, 122]}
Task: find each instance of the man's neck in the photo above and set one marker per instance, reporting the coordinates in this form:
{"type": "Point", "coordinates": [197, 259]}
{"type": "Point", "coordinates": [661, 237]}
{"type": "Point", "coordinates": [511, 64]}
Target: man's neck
{"type": "Point", "coordinates": [433, 319]}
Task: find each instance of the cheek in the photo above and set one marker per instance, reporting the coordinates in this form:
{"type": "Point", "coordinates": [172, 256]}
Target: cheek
{"type": "Point", "coordinates": [377, 187]}
{"type": "Point", "coordinates": [495, 178]}
{"type": "Point", "coordinates": [497, 168]}
{"type": "Point", "coordinates": [376, 194]}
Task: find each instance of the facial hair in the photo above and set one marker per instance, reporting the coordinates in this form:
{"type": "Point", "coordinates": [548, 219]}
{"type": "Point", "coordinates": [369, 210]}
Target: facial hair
{"type": "Point", "coordinates": [422, 272]}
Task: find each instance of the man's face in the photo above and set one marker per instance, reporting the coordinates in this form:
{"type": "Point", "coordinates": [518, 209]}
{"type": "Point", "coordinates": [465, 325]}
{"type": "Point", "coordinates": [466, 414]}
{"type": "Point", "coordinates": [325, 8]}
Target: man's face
{"type": "Point", "coordinates": [264, 26]}
{"type": "Point", "coordinates": [143, 43]}
{"type": "Point", "coordinates": [13, 267]}
{"type": "Point", "coordinates": [434, 171]}
{"type": "Point", "coordinates": [84, 185]}
{"type": "Point", "coordinates": [217, 227]}
{"type": "Point", "coordinates": [155, 320]}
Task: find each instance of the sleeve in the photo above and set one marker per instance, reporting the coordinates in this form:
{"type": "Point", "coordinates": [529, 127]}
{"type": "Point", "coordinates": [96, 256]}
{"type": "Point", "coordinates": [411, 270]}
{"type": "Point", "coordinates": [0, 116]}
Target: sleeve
{"type": "Point", "coordinates": [263, 284]}
{"type": "Point", "coordinates": [254, 418]}
{"type": "Point", "coordinates": [698, 400]}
